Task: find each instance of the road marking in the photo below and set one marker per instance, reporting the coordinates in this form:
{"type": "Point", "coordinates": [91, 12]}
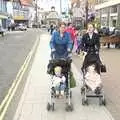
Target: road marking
{"type": "Point", "coordinates": [8, 98]}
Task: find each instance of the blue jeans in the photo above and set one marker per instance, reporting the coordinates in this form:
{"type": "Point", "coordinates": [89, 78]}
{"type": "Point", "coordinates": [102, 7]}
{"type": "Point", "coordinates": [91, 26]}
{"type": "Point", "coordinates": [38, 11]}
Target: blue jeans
{"type": "Point", "coordinates": [60, 87]}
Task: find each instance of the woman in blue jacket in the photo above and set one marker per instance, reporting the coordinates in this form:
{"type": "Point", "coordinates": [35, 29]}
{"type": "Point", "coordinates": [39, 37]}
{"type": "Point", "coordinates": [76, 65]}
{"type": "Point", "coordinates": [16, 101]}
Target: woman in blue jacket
{"type": "Point", "coordinates": [61, 43]}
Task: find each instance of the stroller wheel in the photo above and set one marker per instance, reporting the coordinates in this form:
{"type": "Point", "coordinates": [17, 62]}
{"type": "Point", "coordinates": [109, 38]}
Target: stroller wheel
{"type": "Point", "coordinates": [70, 94]}
{"type": "Point", "coordinates": [69, 107]}
{"type": "Point", "coordinates": [84, 102]}
{"type": "Point", "coordinates": [102, 101]}
{"type": "Point", "coordinates": [48, 106]}
{"type": "Point", "coordinates": [53, 106]}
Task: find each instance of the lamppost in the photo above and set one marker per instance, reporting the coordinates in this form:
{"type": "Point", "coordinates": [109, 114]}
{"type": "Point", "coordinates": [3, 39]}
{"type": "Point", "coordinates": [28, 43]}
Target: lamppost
{"type": "Point", "coordinates": [36, 9]}
{"type": "Point", "coordinates": [86, 11]}
{"type": "Point", "coordinates": [60, 7]}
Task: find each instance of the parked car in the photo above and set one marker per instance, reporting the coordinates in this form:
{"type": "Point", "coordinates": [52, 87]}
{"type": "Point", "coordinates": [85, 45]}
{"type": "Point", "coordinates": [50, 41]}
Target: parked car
{"type": "Point", "coordinates": [21, 27]}
{"type": "Point", "coordinates": [43, 26]}
{"type": "Point", "coordinates": [104, 31]}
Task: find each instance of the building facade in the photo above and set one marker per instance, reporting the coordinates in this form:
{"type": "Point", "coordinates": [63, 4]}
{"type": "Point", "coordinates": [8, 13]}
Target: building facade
{"type": "Point", "coordinates": [53, 17]}
{"type": "Point", "coordinates": [20, 13]}
{"type": "Point", "coordinates": [3, 13]}
{"type": "Point", "coordinates": [79, 11]}
{"type": "Point", "coordinates": [23, 11]}
{"type": "Point", "coordinates": [108, 11]}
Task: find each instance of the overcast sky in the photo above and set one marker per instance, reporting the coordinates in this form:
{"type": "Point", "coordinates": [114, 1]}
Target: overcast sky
{"type": "Point", "coordinates": [46, 4]}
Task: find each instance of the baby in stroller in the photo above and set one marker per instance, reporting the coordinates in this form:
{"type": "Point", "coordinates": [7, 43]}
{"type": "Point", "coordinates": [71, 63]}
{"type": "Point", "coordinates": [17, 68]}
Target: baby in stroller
{"type": "Point", "coordinates": [92, 83]}
{"type": "Point", "coordinates": [93, 79]}
{"type": "Point", "coordinates": [59, 82]}
{"type": "Point", "coordinates": [59, 70]}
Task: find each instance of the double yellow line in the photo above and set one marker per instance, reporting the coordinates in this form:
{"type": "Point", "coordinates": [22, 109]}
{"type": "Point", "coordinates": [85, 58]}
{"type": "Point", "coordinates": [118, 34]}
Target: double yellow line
{"type": "Point", "coordinates": [8, 98]}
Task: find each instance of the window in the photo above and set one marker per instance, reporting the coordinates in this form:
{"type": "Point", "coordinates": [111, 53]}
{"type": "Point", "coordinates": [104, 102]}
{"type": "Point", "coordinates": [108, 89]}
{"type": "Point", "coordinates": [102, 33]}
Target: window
{"type": "Point", "coordinates": [113, 21]}
{"type": "Point", "coordinates": [113, 9]}
{"type": "Point", "coordinates": [3, 7]}
{"type": "Point", "coordinates": [104, 21]}
{"type": "Point", "coordinates": [104, 11]}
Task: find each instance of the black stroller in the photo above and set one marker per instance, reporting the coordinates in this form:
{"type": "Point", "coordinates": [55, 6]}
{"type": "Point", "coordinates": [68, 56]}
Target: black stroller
{"type": "Point", "coordinates": [92, 58]}
{"type": "Point", "coordinates": [65, 64]}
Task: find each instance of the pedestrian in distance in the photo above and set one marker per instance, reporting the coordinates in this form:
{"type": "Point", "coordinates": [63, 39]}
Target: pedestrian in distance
{"type": "Point", "coordinates": [73, 34]}
{"type": "Point", "coordinates": [79, 41]}
{"type": "Point", "coordinates": [51, 28]}
{"type": "Point", "coordinates": [1, 30]}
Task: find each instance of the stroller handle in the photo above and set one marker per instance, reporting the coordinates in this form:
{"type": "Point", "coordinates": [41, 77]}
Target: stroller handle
{"type": "Point", "coordinates": [67, 60]}
{"type": "Point", "coordinates": [64, 57]}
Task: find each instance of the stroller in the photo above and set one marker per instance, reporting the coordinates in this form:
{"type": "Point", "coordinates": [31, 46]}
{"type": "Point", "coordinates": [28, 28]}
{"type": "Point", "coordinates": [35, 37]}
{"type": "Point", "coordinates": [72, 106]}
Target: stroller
{"type": "Point", "coordinates": [92, 84]}
{"type": "Point", "coordinates": [65, 64]}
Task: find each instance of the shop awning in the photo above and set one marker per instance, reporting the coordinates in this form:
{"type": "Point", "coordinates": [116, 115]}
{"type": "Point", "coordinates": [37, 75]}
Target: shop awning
{"type": "Point", "coordinates": [3, 17]}
{"type": "Point", "coordinates": [19, 18]}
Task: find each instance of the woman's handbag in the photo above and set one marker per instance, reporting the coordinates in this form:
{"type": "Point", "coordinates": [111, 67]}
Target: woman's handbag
{"type": "Point", "coordinates": [72, 81]}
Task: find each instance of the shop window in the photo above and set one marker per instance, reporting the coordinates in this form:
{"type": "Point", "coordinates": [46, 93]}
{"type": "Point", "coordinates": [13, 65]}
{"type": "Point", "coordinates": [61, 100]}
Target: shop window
{"type": "Point", "coordinates": [114, 22]}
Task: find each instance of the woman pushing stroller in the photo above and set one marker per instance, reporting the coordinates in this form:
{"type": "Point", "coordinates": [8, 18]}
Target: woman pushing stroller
{"type": "Point", "coordinates": [90, 46]}
{"type": "Point", "coordinates": [61, 43]}
{"type": "Point", "coordinates": [91, 67]}
{"type": "Point", "coordinates": [59, 66]}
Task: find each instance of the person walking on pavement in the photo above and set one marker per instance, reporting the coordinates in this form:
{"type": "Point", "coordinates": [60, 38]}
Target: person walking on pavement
{"type": "Point", "coordinates": [79, 40]}
{"type": "Point", "coordinates": [90, 43]}
{"type": "Point", "coordinates": [73, 33]}
{"type": "Point", "coordinates": [1, 30]}
{"type": "Point", "coordinates": [61, 43]}
{"type": "Point", "coordinates": [51, 28]}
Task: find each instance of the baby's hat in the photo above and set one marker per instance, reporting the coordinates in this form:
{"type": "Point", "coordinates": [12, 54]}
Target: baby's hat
{"type": "Point", "coordinates": [57, 69]}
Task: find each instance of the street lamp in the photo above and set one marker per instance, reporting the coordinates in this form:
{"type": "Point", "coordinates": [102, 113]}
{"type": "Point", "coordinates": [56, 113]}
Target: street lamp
{"type": "Point", "coordinates": [61, 7]}
{"type": "Point", "coordinates": [36, 9]}
{"type": "Point", "coordinates": [86, 10]}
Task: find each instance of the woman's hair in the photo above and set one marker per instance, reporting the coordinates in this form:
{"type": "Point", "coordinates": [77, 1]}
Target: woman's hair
{"type": "Point", "coordinates": [69, 24]}
{"type": "Point", "coordinates": [61, 23]}
{"type": "Point", "coordinates": [83, 32]}
{"type": "Point", "coordinates": [91, 24]}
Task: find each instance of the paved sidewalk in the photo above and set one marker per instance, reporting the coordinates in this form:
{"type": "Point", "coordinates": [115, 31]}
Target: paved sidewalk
{"type": "Point", "coordinates": [33, 102]}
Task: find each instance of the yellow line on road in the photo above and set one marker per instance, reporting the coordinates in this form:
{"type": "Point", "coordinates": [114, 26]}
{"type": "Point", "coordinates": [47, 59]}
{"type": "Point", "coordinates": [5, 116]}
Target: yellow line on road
{"type": "Point", "coordinates": [8, 98]}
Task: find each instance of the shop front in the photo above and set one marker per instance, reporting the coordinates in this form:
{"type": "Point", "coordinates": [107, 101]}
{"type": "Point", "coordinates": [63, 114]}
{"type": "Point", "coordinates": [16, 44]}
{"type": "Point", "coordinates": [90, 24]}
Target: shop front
{"type": "Point", "coordinates": [3, 20]}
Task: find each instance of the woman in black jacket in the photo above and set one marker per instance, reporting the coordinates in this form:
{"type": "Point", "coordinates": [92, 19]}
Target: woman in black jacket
{"type": "Point", "coordinates": [90, 46]}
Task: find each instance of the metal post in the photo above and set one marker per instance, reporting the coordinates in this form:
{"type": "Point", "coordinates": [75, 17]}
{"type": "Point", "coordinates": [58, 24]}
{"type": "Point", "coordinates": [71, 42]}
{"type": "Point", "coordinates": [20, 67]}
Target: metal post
{"type": "Point", "coordinates": [61, 7]}
{"type": "Point", "coordinates": [118, 18]}
{"type": "Point", "coordinates": [36, 6]}
{"type": "Point", "coordinates": [86, 10]}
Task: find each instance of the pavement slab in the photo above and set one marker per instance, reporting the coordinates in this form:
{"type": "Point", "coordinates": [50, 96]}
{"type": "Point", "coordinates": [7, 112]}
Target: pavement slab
{"type": "Point", "coordinates": [32, 105]}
